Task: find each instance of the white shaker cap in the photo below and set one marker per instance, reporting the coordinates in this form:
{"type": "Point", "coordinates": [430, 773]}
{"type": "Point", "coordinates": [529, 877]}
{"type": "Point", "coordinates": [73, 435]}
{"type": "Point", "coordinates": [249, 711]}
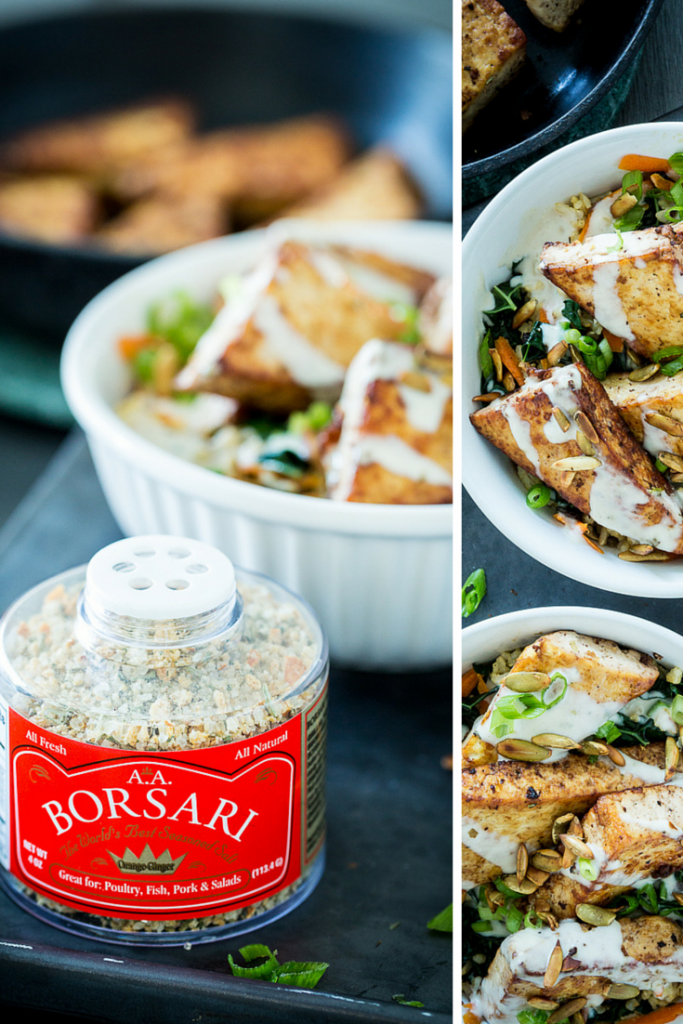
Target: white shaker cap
{"type": "Point", "coordinates": [160, 577]}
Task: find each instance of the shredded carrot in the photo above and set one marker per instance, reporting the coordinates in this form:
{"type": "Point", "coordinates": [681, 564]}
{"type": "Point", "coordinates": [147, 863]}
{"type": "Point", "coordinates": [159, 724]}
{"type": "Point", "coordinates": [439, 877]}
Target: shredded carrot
{"type": "Point", "coordinates": [481, 685]}
{"type": "Point", "coordinates": [470, 1018]}
{"type": "Point", "coordinates": [509, 359]}
{"type": "Point", "coordinates": [584, 229]}
{"type": "Point", "coordinates": [131, 344]}
{"type": "Point", "coordinates": [543, 316]}
{"type": "Point", "coordinates": [646, 164]}
{"type": "Point", "coordinates": [664, 1015]}
{"type": "Point", "coordinates": [469, 681]}
{"type": "Point", "coordinates": [616, 344]}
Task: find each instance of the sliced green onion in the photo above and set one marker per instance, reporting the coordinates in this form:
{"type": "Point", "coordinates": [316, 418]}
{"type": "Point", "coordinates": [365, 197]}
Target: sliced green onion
{"type": "Point", "coordinates": [619, 244]}
{"type": "Point", "coordinates": [481, 926]}
{"type": "Point", "coordinates": [532, 920]}
{"type": "Point", "coordinates": [676, 711]}
{"type": "Point", "coordinates": [485, 361]}
{"type": "Point", "coordinates": [587, 869]}
{"type": "Point", "coordinates": [443, 922]}
{"type": "Point", "coordinates": [632, 182]}
{"type": "Point", "coordinates": [676, 162]}
{"type": "Point", "coordinates": [538, 496]}
{"type": "Point", "coordinates": [514, 919]}
{"type": "Point", "coordinates": [532, 1017]}
{"type": "Point", "coordinates": [630, 220]}
{"type": "Point", "coordinates": [143, 364]}
{"type": "Point", "coordinates": [672, 368]}
{"type": "Point", "coordinates": [667, 353]}
{"type": "Point", "coordinates": [473, 592]}
{"type": "Point", "coordinates": [572, 336]}
{"type": "Point", "coordinates": [400, 998]}
{"type": "Point", "coordinates": [507, 709]}
{"type": "Point", "coordinates": [607, 353]}
{"type": "Point", "coordinates": [302, 974]}
{"type": "Point", "coordinates": [660, 466]}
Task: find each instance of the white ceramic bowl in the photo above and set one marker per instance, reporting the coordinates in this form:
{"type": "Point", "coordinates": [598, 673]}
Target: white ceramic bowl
{"type": "Point", "coordinates": [485, 640]}
{"type": "Point", "coordinates": [379, 576]}
{"type": "Point", "coordinates": [494, 241]}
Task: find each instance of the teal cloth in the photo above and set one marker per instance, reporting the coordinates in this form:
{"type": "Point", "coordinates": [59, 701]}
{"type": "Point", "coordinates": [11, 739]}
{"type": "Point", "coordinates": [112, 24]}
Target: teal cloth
{"type": "Point", "coordinates": [598, 119]}
{"type": "Point", "coordinates": [29, 379]}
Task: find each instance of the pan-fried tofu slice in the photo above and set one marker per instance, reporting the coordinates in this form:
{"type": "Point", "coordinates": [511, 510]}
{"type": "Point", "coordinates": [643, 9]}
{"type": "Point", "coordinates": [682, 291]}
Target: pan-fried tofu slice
{"type": "Point", "coordinates": [375, 186]}
{"type": "Point", "coordinates": [515, 802]}
{"type": "Point", "coordinates": [646, 952]}
{"type": "Point", "coordinates": [493, 51]}
{"type": "Point", "coordinates": [635, 292]}
{"type": "Point", "coordinates": [163, 223]}
{"type": "Point", "coordinates": [651, 409]}
{"type": "Point", "coordinates": [554, 14]}
{"type": "Point", "coordinates": [259, 168]}
{"type": "Point", "coordinates": [301, 317]}
{"type": "Point", "coordinates": [436, 319]}
{"type": "Point", "coordinates": [396, 440]}
{"type": "Point", "coordinates": [619, 486]}
{"type": "Point", "coordinates": [634, 836]}
{"type": "Point", "coordinates": [99, 142]}
{"type": "Point", "coordinates": [601, 679]}
{"type": "Point", "coordinates": [51, 209]}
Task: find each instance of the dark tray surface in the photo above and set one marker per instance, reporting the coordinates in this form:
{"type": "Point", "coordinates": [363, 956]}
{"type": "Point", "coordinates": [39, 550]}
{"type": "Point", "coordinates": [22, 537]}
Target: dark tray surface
{"type": "Point", "coordinates": [389, 843]}
{"type": "Point", "coordinates": [564, 76]}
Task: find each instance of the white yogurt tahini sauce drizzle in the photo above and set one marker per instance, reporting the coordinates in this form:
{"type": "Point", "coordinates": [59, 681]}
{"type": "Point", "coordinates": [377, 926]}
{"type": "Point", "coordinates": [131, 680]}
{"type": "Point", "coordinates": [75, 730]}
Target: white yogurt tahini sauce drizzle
{"type": "Point", "coordinates": [306, 364]}
{"type": "Point", "coordinates": [600, 219]}
{"type": "Point", "coordinates": [599, 952]}
{"type": "Point", "coordinates": [609, 310]}
{"type": "Point", "coordinates": [614, 500]}
{"type": "Point", "coordinates": [383, 360]}
{"type": "Point", "coordinates": [491, 845]}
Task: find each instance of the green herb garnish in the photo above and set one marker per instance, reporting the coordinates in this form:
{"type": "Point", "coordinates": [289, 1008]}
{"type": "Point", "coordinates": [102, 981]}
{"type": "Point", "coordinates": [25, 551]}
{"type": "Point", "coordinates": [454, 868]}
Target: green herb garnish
{"type": "Point", "coordinates": [305, 974]}
{"type": "Point", "coordinates": [607, 732]}
{"type": "Point", "coordinates": [443, 922]}
{"type": "Point", "coordinates": [181, 321]}
{"type": "Point", "coordinates": [315, 418]}
{"type": "Point", "coordinates": [400, 998]}
{"type": "Point", "coordinates": [473, 592]}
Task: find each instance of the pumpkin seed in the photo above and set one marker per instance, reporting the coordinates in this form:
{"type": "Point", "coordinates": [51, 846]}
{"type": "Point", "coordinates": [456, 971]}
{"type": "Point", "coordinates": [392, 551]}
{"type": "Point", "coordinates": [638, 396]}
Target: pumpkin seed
{"type": "Point", "coordinates": [524, 888]}
{"type": "Point", "coordinates": [522, 861]}
{"type": "Point", "coordinates": [559, 826]}
{"type": "Point", "coordinates": [523, 313]}
{"type": "Point", "coordinates": [577, 846]}
{"type": "Point", "coordinates": [598, 916]}
{"type": "Point", "coordinates": [676, 478]}
{"type": "Point", "coordinates": [622, 205]}
{"type": "Point", "coordinates": [562, 420]}
{"type": "Point", "coordinates": [584, 444]}
{"type": "Point", "coordinates": [672, 754]}
{"type": "Point", "coordinates": [556, 353]}
{"type": "Point", "coordinates": [567, 1009]}
{"type": "Point", "coordinates": [586, 426]}
{"type": "Point", "coordinates": [668, 424]}
{"type": "Point", "coordinates": [416, 380]}
{"type": "Point", "coordinates": [593, 748]}
{"type": "Point", "coordinates": [644, 372]}
{"type": "Point", "coordinates": [549, 919]}
{"type": "Point", "coordinates": [526, 682]}
{"type": "Point", "coordinates": [642, 549]}
{"type": "Point", "coordinates": [509, 382]}
{"type": "Point", "coordinates": [575, 828]}
{"type": "Point", "coordinates": [552, 973]}
{"type": "Point", "coordinates": [547, 860]}
{"type": "Point", "coordinates": [678, 896]}
{"type": "Point", "coordinates": [576, 1018]}
{"type": "Point", "coordinates": [622, 992]}
{"type": "Point", "coordinates": [576, 464]}
{"type": "Point", "coordinates": [674, 462]}
{"type": "Point", "coordinates": [522, 750]}
{"type": "Point", "coordinates": [537, 876]}
{"type": "Point", "coordinates": [655, 556]}
{"type": "Point", "coordinates": [568, 857]}
{"type": "Point", "coordinates": [552, 739]}
{"type": "Point", "coordinates": [616, 756]}
{"type": "Point", "coordinates": [497, 363]}
{"type": "Point", "coordinates": [542, 1004]}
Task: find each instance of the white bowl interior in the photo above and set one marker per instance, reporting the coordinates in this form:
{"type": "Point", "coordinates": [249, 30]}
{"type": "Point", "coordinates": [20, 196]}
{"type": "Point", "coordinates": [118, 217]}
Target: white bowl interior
{"type": "Point", "coordinates": [495, 241]}
{"type": "Point", "coordinates": [485, 640]}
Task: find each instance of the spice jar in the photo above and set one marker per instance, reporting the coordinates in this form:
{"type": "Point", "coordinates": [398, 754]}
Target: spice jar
{"type": "Point", "coordinates": [162, 746]}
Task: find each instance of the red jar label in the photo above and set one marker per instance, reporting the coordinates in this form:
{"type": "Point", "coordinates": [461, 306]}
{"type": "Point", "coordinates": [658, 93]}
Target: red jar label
{"type": "Point", "coordinates": [168, 835]}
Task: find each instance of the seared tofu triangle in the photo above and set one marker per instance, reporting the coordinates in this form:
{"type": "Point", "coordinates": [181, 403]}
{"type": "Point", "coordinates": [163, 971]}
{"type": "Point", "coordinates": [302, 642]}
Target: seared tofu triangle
{"type": "Point", "coordinates": [396, 440]}
{"type": "Point", "coordinates": [651, 409]}
{"type": "Point", "coordinates": [513, 802]}
{"type": "Point", "coordinates": [551, 424]}
{"type": "Point", "coordinates": [646, 953]}
{"type": "Point", "coordinates": [298, 321]}
{"type": "Point", "coordinates": [493, 51]}
{"type": "Point", "coordinates": [634, 291]}
{"type": "Point", "coordinates": [596, 677]}
{"type": "Point", "coordinates": [634, 836]}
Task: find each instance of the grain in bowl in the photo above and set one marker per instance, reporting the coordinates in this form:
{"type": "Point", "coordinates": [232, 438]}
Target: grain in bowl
{"type": "Point", "coordinates": [165, 719]}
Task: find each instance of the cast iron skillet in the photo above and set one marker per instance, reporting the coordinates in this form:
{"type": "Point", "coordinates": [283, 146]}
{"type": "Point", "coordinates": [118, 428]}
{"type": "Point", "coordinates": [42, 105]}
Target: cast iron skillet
{"type": "Point", "coordinates": [238, 67]}
{"type": "Point", "coordinates": [565, 75]}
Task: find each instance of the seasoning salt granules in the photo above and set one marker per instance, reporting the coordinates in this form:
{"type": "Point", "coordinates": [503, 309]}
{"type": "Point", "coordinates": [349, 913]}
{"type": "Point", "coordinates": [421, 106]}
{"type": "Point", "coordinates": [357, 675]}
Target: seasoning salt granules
{"type": "Point", "coordinates": [163, 724]}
